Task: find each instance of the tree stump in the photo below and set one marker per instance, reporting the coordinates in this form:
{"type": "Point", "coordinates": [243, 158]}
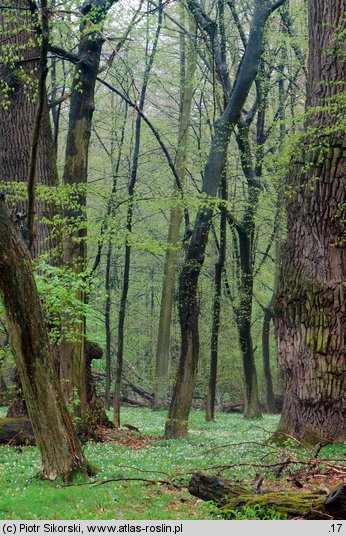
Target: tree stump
{"type": "Point", "coordinates": [307, 505]}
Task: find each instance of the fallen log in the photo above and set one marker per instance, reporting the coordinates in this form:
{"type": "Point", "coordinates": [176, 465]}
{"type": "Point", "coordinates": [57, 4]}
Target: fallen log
{"type": "Point", "coordinates": [16, 432]}
{"type": "Point", "coordinates": [230, 407]}
{"type": "Point", "coordinates": [293, 504]}
{"type": "Point", "coordinates": [139, 390]}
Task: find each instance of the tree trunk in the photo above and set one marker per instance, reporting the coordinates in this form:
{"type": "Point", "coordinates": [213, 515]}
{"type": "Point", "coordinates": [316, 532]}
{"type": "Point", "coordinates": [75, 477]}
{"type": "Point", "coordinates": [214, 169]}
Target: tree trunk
{"type": "Point", "coordinates": [75, 174]}
{"type": "Point", "coordinates": [108, 324]}
{"type": "Point", "coordinates": [244, 318]}
{"type": "Point", "coordinates": [188, 67]}
{"type": "Point", "coordinates": [177, 421]}
{"type": "Point", "coordinates": [129, 221]}
{"type": "Point", "coordinates": [60, 449]}
{"type": "Point", "coordinates": [306, 505]}
{"type": "Point", "coordinates": [310, 304]}
{"type": "Point", "coordinates": [219, 267]}
{"type": "Point", "coordinates": [267, 318]}
{"type": "Point", "coordinates": [17, 117]}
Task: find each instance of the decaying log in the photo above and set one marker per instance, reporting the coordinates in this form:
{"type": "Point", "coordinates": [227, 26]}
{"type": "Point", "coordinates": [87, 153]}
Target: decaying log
{"type": "Point", "coordinates": [307, 505]}
{"type": "Point", "coordinates": [16, 432]}
{"type": "Point", "coordinates": [336, 502]}
{"type": "Point", "coordinates": [139, 390]}
{"type": "Point", "coordinates": [229, 407]}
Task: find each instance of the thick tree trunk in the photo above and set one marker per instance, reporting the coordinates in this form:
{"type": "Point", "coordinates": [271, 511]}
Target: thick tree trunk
{"type": "Point", "coordinates": [306, 505]}
{"type": "Point", "coordinates": [17, 117]}
{"type": "Point", "coordinates": [60, 449]}
{"type": "Point", "coordinates": [177, 421]}
{"type": "Point", "coordinates": [188, 66]}
{"type": "Point", "coordinates": [310, 313]}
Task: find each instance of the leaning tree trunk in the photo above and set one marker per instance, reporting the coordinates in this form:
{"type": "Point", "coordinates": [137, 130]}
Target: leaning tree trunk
{"type": "Point", "coordinates": [60, 449]}
{"type": "Point", "coordinates": [310, 309]}
{"type": "Point", "coordinates": [177, 421]}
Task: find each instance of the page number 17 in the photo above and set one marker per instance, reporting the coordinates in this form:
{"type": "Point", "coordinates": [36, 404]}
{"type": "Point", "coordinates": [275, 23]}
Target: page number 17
{"type": "Point", "coordinates": [336, 527]}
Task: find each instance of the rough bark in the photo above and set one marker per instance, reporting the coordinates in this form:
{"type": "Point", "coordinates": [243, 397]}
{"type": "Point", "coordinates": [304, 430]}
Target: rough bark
{"type": "Point", "coordinates": [17, 117]}
{"type": "Point", "coordinates": [177, 422]}
{"type": "Point", "coordinates": [60, 449]}
{"type": "Point", "coordinates": [310, 314]}
{"type": "Point", "coordinates": [306, 505]}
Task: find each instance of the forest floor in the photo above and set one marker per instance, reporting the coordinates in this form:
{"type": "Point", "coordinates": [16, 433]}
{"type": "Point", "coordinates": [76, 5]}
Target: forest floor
{"type": "Point", "coordinates": [159, 469]}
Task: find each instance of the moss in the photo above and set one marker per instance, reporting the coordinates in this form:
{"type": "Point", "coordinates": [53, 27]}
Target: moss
{"type": "Point", "coordinates": [322, 339]}
{"type": "Point", "coordinates": [292, 504]}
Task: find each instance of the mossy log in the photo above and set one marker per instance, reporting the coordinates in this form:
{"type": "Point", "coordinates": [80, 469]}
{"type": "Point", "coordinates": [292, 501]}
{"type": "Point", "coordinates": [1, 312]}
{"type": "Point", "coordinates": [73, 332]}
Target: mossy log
{"type": "Point", "coordinates": [307, 505]}
{"type": "Point", "coordinates": [16, 432]}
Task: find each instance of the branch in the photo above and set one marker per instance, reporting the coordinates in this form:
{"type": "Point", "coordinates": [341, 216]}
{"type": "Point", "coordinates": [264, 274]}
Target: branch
{"type": "Point", "coordinates": [43, 70]}
{"type": "Point", "coordinates": [76, 60]}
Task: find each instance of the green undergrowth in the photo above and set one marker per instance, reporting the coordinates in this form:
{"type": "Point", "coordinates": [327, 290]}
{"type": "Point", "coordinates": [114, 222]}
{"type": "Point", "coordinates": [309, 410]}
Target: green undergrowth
{"type": "Point", "coordinates": [229, 440]}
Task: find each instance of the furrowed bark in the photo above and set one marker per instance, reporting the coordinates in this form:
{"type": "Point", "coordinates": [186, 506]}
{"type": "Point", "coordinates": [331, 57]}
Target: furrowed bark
{"type": "Point", "coordinates": [310, 314]}
{"type": "Point", "coordinates": [17, 117]}
{"type": "Point", "coordinates": [61, 452]}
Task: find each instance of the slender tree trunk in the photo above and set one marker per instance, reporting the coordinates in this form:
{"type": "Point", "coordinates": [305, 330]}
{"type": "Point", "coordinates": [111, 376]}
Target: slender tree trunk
{"type": "Point", "coordinates": [177, 422]}
{"type": "Point", "coordinates": [108, 283]}
{"type": "Point", "coordinates": [188, 60]}
{"type": "Point", "coordinates": [108, 287]}
{"type": "Point", "coordinates": [269, 310]}
{"type": "Point", "coordinates": [219, 267]}
{"type": "Point", "coordinates": [310, 304]}
{"type": "Point", "coordinates": [61, 452]}
{"type": "Point", "coordinates": [129, 222]}
{"type": "Point", "coordinates": [267, 318]}
{"type": "Point", "coordinates": [244, 320]}
{"type": "Point", "coordinates": [75, 174]}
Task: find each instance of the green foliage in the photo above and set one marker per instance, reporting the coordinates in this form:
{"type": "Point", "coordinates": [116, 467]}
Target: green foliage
{"type": "Point", "coordinates": [61, 291]}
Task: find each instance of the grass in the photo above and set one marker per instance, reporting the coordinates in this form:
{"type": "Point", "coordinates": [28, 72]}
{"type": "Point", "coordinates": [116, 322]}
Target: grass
{"type": "Point", "coordinates": [209, 444]}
